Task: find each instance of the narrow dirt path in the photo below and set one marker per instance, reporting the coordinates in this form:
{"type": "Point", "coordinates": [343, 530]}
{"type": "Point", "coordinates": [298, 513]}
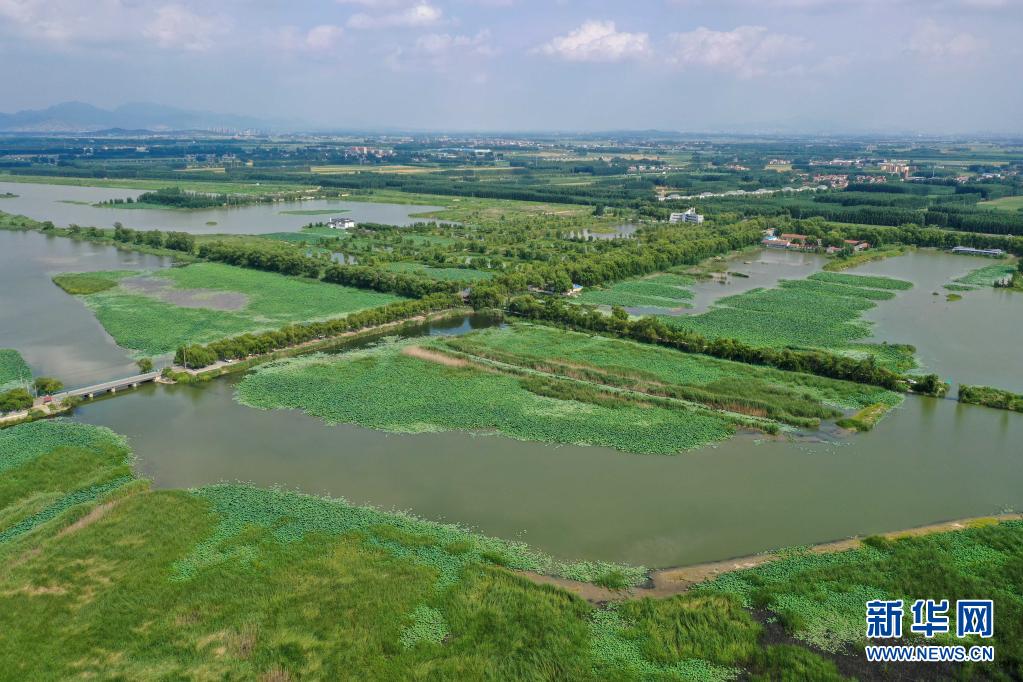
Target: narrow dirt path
{"type": "Point", "coordinates": [667, 582]}
{"type": "Point", "coordinates": [434, 356]}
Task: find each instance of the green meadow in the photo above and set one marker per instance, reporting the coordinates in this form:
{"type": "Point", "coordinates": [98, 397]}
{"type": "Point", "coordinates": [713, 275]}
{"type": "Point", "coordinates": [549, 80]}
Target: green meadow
{"type": "Point", "coordinates": [658, 291]}
{"type": "Point", "coordinates": [153, 313]}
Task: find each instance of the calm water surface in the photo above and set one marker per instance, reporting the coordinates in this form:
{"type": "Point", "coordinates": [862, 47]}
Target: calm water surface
{"type": "Point", "coordinates": [972, 341]}
{"type": "Point", "coordinates": [54, 332]}
{"type": "Point", "coordinates": [763, 268]}
{"type": "Point", "coordinates": [50, 202]}
{"type": "Point", "coordinates": [933, 460]}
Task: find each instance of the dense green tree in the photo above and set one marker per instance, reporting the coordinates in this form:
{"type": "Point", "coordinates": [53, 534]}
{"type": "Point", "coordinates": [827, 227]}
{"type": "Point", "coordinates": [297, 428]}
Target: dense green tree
{"type": "Point", "coordinates": [14, 400]}
{"type": "Point", "coordinates": [47, 385]}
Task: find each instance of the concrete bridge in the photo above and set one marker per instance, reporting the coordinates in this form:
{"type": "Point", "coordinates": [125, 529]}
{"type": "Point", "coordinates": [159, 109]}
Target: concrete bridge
{"type": "Point", "coordinates": [108, 386]}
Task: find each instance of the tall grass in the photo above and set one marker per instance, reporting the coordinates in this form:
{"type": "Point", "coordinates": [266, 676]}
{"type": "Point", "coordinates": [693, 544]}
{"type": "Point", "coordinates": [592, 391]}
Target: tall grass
{"type": "Point", "coordinates": [14, 371]}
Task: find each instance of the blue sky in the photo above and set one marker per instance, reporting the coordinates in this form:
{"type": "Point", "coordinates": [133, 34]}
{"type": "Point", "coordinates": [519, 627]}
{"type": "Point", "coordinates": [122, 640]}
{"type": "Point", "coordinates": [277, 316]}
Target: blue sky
{"type": "Point", "coordinates": [690, 65]}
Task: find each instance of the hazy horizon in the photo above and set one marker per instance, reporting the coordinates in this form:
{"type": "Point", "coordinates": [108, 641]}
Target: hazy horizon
{"type": "Point", "coordinates": [734, 66]}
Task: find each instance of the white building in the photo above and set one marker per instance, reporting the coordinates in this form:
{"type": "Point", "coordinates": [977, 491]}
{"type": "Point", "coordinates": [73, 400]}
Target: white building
{"type": "Point", "coordinates": [340, 223]}
{"type": "Point", "coordinates": [690, 216]}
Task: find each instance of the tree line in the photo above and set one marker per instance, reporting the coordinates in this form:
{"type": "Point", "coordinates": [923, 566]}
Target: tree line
{"type": "Point", "coordinates": [197, 356]}
{"type": "Point", "coordinates": [177, 241]}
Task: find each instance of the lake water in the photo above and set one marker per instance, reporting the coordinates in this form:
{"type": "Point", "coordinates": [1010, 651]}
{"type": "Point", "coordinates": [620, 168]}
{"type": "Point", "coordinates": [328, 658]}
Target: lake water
{"type": "Point", "coordinates": [50, 202]}
{"type": "Point", "coordinates": [930, 460]}
{"type": "Point", "coordinates": [762, 268]}
{"type": "Point", "coordinates": [56, 334]}
{"type": "Point", "coordinates": [975, 340]}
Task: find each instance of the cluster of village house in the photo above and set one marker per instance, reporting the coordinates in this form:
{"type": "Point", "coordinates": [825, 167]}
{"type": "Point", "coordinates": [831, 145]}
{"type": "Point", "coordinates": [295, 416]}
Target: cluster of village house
{"type": "Point", "coordinates": [802, 242]}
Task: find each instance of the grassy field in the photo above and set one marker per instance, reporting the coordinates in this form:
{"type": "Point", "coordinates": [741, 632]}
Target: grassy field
{"type": "Point", "coordinates": [152, 313]}
{"type": "Point", "coordinates": [666, 291]}
{"type": "Point", "coordinates": [102, 577]}
{"type": "Point", "coordinates": [822, 311]}
{"type": "Point", "coordinates": [14, 371]}
{"type": "Point", "coordinates": [449, 274]}
{"type": "Point", "coordinates": [1014, 204]}
{"type": "Point", "coordinates": [385, 388]}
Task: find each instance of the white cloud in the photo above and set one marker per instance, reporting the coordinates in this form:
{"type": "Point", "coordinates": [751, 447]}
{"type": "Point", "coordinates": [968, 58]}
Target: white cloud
{"type": "Point", "coordinates": [62, 21]}
{"type": "Point", "coordinates": [437, 44]}
{"type": "Point", "coordinates": [175, 26]}
{"type": "Point", "coordinates": [418, 14]}
{"type": "Point", "coordinates": [110, 23]}
{"type": "Point", "coordinates": [850, 6]}
{"type": "Point", "coordinates": [933, 41]}
{"type": "Point", "coordinates": [597, 41]}
{"type": "Point", "coordinates": [747, 51]}
{"type": "Point", "coordinates": [377, 4]}
{"type": "Point", "coordinates": [324, 38]}
{"type": "Point", "coordinates": [461, 56]}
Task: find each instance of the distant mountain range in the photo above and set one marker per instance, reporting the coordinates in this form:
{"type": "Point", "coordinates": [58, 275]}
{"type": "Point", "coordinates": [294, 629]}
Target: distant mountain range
{"type": "Point", "coordinates": [70, 117]}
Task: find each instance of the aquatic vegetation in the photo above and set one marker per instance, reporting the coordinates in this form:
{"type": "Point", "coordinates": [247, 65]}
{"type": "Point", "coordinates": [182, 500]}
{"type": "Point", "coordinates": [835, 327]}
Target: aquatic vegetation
{"type": "Point", "coordinates": [823, 311]}
{"type": "Point", "coordinates": [658, 291]}
{"type": "Point", "coordinates": [813, 286]}
{"type": "Point", "coordinates": [155, 313]}
{"type": "Point", "coordinates": [14, 371]}
{"type": "Point", "coordinates": [987, 276]}
{"type": "Point", "coordinates": [88, 282]}
{"type": "Point", "coordinates": [386, 389]}
{"type": "Point", "coordinates": [428, 625]}
{"type": "Point", "coordinates": [641, 639]}
{"type": "Point", "coordinates": [871, 281]}
{"type": "Point", "coordinates": [23, 443]}
{"type": "Point", "coordinates": [448, 549]}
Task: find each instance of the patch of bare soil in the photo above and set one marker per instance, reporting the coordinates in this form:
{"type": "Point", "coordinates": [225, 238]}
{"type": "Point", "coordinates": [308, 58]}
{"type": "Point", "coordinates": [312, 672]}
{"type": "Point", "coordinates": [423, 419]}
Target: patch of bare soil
{"type": "Point", "coordinates": [588, 591]}
{"type": "Point", "coordinates": [164, 290]}
{"type": "Point", "coordinates": [92, 517]}
{"type": "Point", "coordinates": [434, 356]}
